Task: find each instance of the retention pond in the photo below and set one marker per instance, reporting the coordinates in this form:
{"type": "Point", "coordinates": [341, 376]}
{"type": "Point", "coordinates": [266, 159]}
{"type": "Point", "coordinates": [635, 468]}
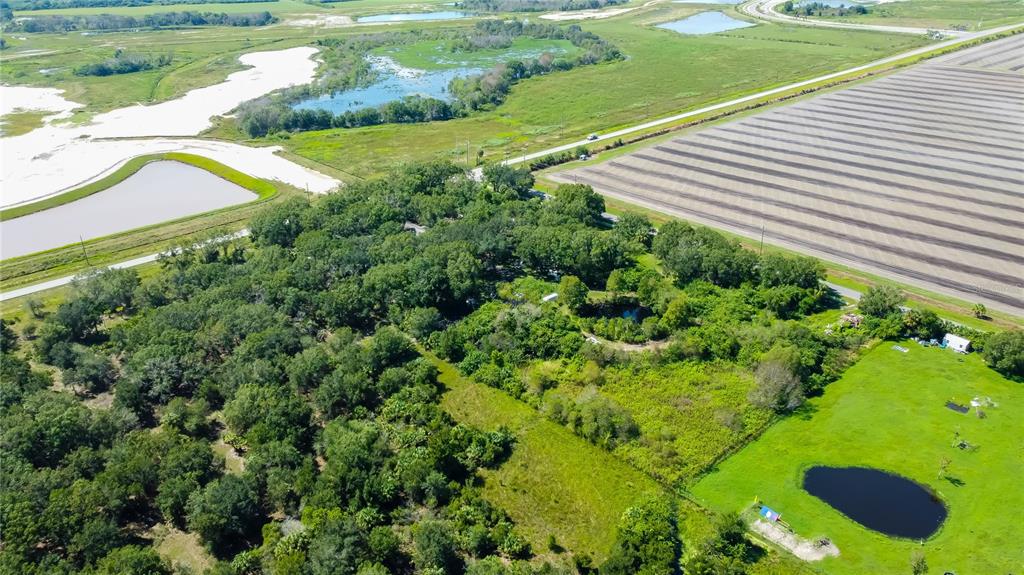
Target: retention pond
{"type": "Point", "coordinates": [414, 17]}
{"type": "Point", "coordinates": [158, 192]}
{"type": "Point", "coordinates": [705, 23]}
{"type": "Point", "coordinates": [884, 502]}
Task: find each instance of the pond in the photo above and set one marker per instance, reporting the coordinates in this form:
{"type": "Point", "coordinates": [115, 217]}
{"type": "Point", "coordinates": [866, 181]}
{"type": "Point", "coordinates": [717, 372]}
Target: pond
{"type": "Point", "coordinates": [160, 191]}
{"type": "Point", "coordinates": [881, 501]}
{"type": "Point", "coordinates": [705, 23]}
{"type": "Point", "coordinates": [394, 83]}
{"type": "Point", "coordinates": [706, 1]}
{"type": "Point", "coordinates": [413, 17]}
{"type": "Point", "coordinates": [832, 3]}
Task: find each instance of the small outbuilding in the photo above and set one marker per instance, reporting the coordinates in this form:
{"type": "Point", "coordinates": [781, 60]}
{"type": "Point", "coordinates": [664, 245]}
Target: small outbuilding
{"type": "Point", "coordinates": [956, 343]}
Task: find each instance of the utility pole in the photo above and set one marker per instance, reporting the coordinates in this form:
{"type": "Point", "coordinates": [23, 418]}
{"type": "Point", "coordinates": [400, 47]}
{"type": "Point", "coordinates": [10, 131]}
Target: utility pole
{"type": "Point", "coordinates": [85, 254]}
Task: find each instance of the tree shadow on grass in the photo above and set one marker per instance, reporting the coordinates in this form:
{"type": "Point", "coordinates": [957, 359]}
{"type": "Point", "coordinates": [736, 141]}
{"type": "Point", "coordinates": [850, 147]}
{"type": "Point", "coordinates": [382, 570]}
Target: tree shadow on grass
{"type": "Point", "coordinates": [955, 481]}
{"type": "Point", "coordinates": [805, 411]}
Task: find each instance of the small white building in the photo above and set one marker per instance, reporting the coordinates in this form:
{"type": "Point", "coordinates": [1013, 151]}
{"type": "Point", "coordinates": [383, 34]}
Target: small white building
{"type": "Point", "coordinates": [550, 297]}
{"type": "Point", "coordinates": [956, 343]}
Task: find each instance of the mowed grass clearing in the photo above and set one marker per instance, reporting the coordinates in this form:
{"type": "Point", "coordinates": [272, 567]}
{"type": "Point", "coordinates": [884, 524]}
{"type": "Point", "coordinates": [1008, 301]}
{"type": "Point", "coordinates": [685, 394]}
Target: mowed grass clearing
{"type": "Point", "coordinates": [889, 412]}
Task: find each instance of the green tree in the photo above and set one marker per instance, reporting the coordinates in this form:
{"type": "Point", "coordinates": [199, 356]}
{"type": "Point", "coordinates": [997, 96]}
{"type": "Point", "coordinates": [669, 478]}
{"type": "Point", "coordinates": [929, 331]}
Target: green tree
{"type": "Point", "coordinates": [647, 542]}
{"type": "Point", "coordinates": [635, 229]}
{"type": "Point", "coordinates": [132, 560]}
{"type": "Point", "coordinates": [1004, 352]}
{"type": "Point", "coordinates": [225, 514]}
{"type": "Point", "coordinates": [881, 301]}
{"type": "Point", "coordinates": [434, 547]}
{"type": "Point", "coordinates": [279, 224]}
{"type": "Point", "coordinates": [579, 202]}
{"type": "Point", "coordinates": [573, 293]}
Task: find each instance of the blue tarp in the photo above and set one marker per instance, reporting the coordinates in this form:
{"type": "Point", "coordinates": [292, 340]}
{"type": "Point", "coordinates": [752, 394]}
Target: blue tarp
{"type": "Point", "coordinates": [769, 514]}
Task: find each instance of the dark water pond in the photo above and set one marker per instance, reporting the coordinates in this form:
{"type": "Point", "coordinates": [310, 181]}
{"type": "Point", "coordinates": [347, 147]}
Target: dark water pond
{"type": "Point", "coordinates": [881, 501]}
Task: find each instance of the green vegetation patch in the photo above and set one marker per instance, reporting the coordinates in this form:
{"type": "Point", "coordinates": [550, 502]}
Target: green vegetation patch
{"type": "Point", "coordinates": [889, 412]}
{"type": "Point", "coordinates": [18, 123]}
{"type": "Point", "coordinates": [555, 483]}
{"type": "Point", "coordinates": [690, 414]}
{"type": "Point", "coordinates": [436, 55]}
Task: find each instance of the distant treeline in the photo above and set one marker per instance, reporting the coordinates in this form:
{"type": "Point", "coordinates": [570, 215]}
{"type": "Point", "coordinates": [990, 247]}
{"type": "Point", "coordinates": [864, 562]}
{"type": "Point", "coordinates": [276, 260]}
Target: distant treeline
{"type": "Point", "coordinates": [821, 9]}
{"type": "Point", "coordinates": [119, 22]}
{"type": "Point", "coordinates": [535, 5]}
{"type": "Point", "coordinates": [48, 4]}
{"type": "Point", "coordinates": [274, 114]}
{"type": "Point", "coordinates": [124, 63]}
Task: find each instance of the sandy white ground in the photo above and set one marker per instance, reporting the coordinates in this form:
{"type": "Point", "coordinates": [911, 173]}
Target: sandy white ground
{"type": "Point", "coordinates": [320, 20]}
{"type": "Point", "coordinates": [802, 548]}
{"type": "Point", "coordinates": [58, 157]}
{"type": "Point", "coordinates": [24, 99]}
{"type": "Point", "coordinates": [586, 14]}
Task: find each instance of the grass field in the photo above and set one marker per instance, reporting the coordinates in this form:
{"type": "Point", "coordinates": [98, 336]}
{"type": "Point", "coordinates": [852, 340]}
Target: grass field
{"type": "Point", "coordinates": [558, 484]}
{"type": "Point", "coordinates": [555, 483]}
{"type": "Point", "coordinates": [888, 412]}
{"type": "Point", "coordinates": [433, 55]}
{"type": "Point", "coordinates": [542, 112]}
{"type": "Point", "coordinates": [972, 14]}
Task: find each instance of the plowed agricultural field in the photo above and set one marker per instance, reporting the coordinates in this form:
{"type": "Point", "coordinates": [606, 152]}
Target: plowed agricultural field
{"type": "Point", "coordinates": [917, 176]}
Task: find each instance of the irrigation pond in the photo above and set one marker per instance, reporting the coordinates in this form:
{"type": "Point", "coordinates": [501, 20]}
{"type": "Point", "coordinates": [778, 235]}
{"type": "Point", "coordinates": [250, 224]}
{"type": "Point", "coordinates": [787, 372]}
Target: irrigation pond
{"type": "Point", "coordinates": [160, 191]}
{"type": "Point", "coordinates": [884, 502]}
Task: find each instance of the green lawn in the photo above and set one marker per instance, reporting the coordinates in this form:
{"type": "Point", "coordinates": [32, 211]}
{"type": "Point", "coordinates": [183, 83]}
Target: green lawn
{"type": "Point", "coordinates": [888, 412]}
{"type": "Point", "coordinates": [973, 14]}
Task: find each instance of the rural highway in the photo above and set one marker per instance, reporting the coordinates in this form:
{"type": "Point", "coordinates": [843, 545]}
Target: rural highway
{"type": "Point", "coordinates": [765, 10]}
{"type": "Point", "coordinates": [963, 38]}
{"type": "Point", "coordinates": [966, 37]}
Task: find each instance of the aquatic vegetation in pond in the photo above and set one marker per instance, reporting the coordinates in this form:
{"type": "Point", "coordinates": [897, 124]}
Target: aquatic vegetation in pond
{"type": "Point", "coordinates": [881, 501]}
{"type": "Point", "coordinates": [393, 83]}
{"type": "Point", "coordinates": [705, 23]}
{"type": "Point", "coordinates": [414, 17]}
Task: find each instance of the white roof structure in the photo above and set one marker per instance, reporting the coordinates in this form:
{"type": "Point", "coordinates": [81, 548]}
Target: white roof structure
{"type": "Point", "coordinates": [956, 342]}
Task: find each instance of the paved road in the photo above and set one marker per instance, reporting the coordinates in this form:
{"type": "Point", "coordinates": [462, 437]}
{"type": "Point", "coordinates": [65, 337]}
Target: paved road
{"type": "Point", "coordinates": [616, 134]}
{"type": "Point", "coordinates": [765, 10]}
{"type": "Point", "coordinates": [55, 283]}
{"type": "Point", "coordinates": [964, 37]}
